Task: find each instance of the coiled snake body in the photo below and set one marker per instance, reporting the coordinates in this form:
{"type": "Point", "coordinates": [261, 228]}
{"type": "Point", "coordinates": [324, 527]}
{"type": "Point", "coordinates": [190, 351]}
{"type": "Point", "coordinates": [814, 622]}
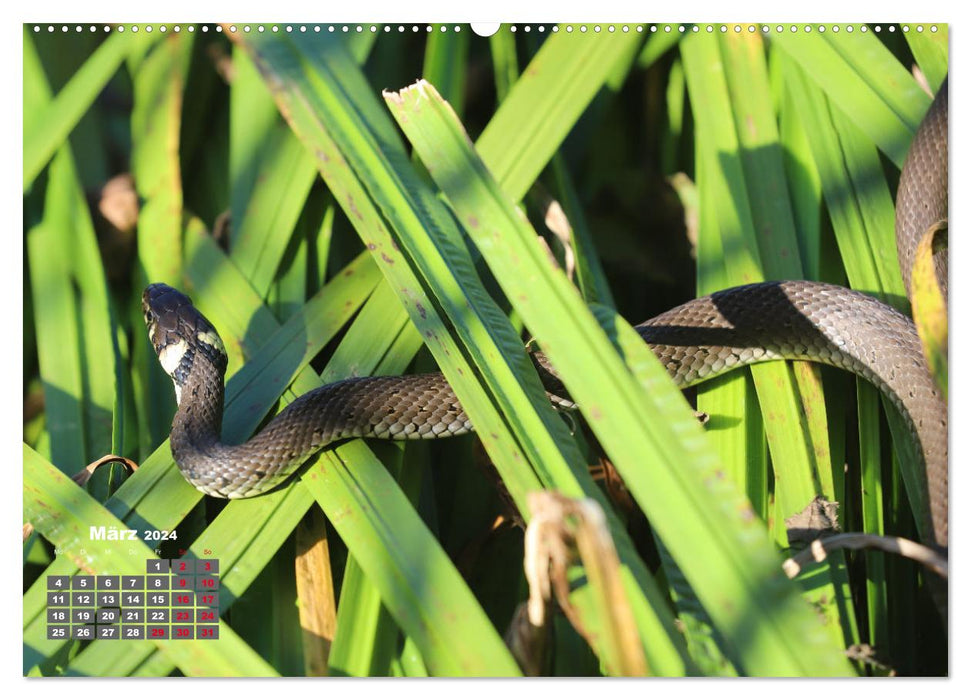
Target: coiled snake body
{"type": "Point", "coordinates": [695, 341]}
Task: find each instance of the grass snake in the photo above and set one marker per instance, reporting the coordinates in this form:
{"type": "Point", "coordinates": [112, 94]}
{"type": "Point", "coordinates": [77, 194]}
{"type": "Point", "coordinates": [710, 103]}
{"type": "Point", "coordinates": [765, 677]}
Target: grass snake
{"type": "Point", "coordinates": [696, 341]}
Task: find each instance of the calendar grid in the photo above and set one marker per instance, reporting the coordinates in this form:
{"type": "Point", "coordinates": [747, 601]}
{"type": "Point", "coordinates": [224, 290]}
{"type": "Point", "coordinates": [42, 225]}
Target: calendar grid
{"type": "Point", "coordinates": [173, 599]}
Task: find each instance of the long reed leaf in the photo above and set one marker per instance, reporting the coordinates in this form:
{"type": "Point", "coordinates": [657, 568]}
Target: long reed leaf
{"type": "Point", "coordinates": [607, 396]}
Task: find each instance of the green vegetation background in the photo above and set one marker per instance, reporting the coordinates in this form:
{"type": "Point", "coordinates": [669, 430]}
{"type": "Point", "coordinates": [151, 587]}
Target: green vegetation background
{"type": "Point", "coordinates": [329, 230]}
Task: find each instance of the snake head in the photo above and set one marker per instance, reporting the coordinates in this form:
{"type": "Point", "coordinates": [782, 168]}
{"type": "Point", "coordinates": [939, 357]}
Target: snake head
{"type": "Point", "coordinates": [180, 334]}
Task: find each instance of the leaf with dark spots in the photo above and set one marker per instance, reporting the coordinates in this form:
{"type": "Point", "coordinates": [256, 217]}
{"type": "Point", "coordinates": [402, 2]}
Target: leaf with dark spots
{"type": "Point", "coordinates": [352, 208]}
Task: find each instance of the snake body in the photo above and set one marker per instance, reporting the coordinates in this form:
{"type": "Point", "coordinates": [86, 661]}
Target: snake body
{"type": "Point", "coordinates": [696, 341]}
{"type": "Point", "coordinates": [922, 194]}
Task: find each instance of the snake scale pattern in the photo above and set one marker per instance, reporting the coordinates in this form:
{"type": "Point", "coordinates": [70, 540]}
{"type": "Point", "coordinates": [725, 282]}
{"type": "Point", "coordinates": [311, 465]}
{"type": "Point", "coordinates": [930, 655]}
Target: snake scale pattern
{"type": "Point", "coordinates": [696, 341]}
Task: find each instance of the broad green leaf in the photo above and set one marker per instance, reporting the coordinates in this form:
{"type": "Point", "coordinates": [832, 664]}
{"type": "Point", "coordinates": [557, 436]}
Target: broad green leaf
{"type": "Point", "coordinates": [156, 120]}
{"type": "Point", "coordinates": [262, 231]}
{"type": "Point", "coordinates": [46, 128]}
{"type": "Point", "coordinates": [326, 106]}
{"type": "Point", "coordinates": [659, 43]}
{"type": "Point", "coordinates": [872, 483]}
{"type": "Point", "coordinates": [732, 78]}
{"type": "Point", "coordinates": [546, 102]}
{"type": "Point", "coordinates": [505, 65]}
{"type": "Point", "coordinates": [863, 225]}
{"type": "Point", "coordinates": [862, 78]}
{"type": "Point", "coordinates": [72, 316]}
{"type": "Point", "coordinates": [272, 175]}
{"type": "Point", "coordinates": [607, 396]}
{"type": "Point", "coordinates": [445, 61]}
{"type": "Point", "coordinates": [411, 562]}
{"type": "Point", "coordinates": [930, 51]}
{"type": "Point", "coordinates": [269, 378]}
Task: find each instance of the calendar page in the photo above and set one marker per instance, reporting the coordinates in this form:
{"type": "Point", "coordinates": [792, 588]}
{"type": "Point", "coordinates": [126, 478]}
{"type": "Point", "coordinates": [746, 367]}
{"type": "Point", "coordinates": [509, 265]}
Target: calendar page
{"type": "Point", "coordinates": [399, 349]}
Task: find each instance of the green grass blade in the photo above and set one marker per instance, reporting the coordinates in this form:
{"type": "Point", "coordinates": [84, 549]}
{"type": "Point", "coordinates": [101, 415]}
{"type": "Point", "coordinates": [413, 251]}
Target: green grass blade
{"type": "Point", "coordinates": [445, 55]}
{"type": "Point", "coordinates": [794, 409]}
{"type": "Point", "coordinates": [263, 230]}
{"type": "Point", "coordinates": [247, 323]}
{"type": "Point", "coordinates": [930, 51]}
{"type": "Point", "coordinates": [546, 102]}
{"type": "Point", "coordinates": [505, 64]}
{"type": "Point", "coordinates": [591, 278]}
{"type": "Point", "coordinates": [71, 311]}
{"type": "Point", "coordinates": [37, 90]}
{"type": "Point", "coordinates": [156, 120]}
{"type": "Point", "coordinates": [871, 470]}
{"type": "Point", "coordinates": [58, 341]}
{"type": "Point", "coordinates": [46, 129]}
{"type": "Point", "coordinates": [289, 290]}
{"type": "Point", "coordinates": [329, 103]}
{"type": "Point", "coordinates": [746, 77]}
{"type": "Point", "coordinates": [806, 189]}
{"type": "Point", "coordinates": [860, 208]}
{"type": "Point", "coordinates": [846, 171]}
{"type": "Point", "coordinates": [734, 429]}
{"type": "Point", "coordinates": [366, 534]}
{"type": "Point", "coordinates": [413, 572]}
{"type": "Point", "coordinates": [862, 78]}
{"type": "Point", "coordinates": [674, 135]}
{"type": "Point", "coordinates": [659, 43]}
{"type": "Point", "coordinates": [74, 328]}
{"type": "Point", "coordinates": [366, 632]}
{"type": "Point", "coordinates": [729, 186]}
{"type": "Point", "coordinates": [271, 178]}
{"type": "Point", "coordinates": [360, 45]}
{"type": "Point", "coordinates": [736, 433]}
{"type": "Point", "coordinates": [252, 116]}
{"type": "Point", "coordinates": [626, 419]}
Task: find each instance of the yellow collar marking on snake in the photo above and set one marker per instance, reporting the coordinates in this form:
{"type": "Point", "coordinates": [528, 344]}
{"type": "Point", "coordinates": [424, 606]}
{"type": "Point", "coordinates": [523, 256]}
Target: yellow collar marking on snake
{"type": "Point", "coordinates": [171, 355]}
{"type": "Point", "coordinates": [210, 338]}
